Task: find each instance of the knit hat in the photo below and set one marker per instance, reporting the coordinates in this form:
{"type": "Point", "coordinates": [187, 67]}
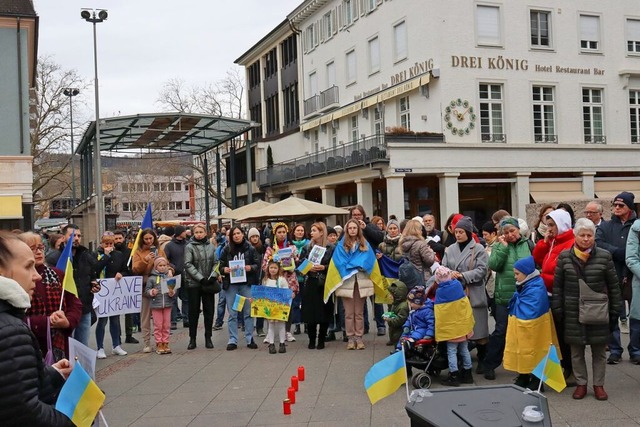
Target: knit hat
{"type": "Point", "coordinates": [562, 220]}
{"type": "Point", "coordinates": [253, 232]}
{"type": "Point", "coordinates": [393, 222]}
{"type": "Point", "coordinates": [465, 223]}
{"type": "Point", "coordinates": [180, 229]}
{"type": "Point", "coordinates": [509, 220]}
{"type": "Point", "coordinates": [455, 219]}
{"type": "Point", "coordinates": [626, 198]}
{"type": "Point", "coordinates": [158, 260]}
{"type": "Point", "coordinates": [338, 228]}
{"type": "Point", "coordinates": [169, 230]}
{"type": "Point", "coordinates": [331, 230]}
{"type": "Point", "coordinates": [443, 274]}
{"type": "Point", "coordinates": [525, 265]}
{"type": "Point", "coordinates": [417, 295]}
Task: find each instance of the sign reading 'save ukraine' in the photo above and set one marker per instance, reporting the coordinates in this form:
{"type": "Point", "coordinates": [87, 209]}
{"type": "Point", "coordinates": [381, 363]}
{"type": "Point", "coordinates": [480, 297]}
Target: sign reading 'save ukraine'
{"type": "Point", "coordinates": [119, 297]}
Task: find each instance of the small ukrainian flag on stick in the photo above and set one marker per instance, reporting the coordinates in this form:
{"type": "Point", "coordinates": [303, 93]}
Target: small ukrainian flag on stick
{"type": "Point", "coordinates": [238, 302]}
{"type": "Point", "coordinates": [385, 377]}
{"type": "Point", "coordinates": [80, 398]}
{"type": "Point", "coordinates": [550, 371]}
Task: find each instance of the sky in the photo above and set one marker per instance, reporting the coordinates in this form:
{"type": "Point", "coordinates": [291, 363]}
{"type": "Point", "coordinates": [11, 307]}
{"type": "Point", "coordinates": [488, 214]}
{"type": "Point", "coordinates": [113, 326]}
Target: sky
{"type": "Point", "coordinates": [144, 43]}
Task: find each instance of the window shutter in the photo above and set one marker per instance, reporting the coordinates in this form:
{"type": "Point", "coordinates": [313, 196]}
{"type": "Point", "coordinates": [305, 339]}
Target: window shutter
{"type": "Point", "coordinates": [363, 7]}
{"type": "Point", "coordinates": [633, 30]}
{"type": "Point", "coordinates": [334, 19]}
{"type": "Point", "coordinates": [589, 28]}
{"type": "Point", "coordinates": [316, 28]}
{"type": "Point", "coordinates": [488, 23]}
{"type": "Point", "coordinates": [340, 10]}
{"type": "Point", "coordinates": [354, 8]}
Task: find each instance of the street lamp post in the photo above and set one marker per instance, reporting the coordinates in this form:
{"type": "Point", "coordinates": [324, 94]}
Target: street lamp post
{"type": "Point", "coordinates": [90, 15]}
{"type": "Point", "coordinates": [71, 92]}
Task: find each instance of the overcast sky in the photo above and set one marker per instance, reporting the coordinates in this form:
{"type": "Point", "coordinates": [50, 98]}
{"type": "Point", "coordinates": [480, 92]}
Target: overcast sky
{"type": "Point", "coordinates": [144, 43]}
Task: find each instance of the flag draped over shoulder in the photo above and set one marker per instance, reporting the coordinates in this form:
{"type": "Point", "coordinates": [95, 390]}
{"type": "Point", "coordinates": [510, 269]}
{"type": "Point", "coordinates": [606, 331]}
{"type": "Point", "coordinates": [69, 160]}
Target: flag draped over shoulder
{"type": "Point", "coordinates": [454, 317]}
{"type": "Point", "coordinates": [385, 377]}
{"type": "Point", "coordinates": [147, 222]}
{"type": "Point", "coordinates": [530, 329]}
{"type": "Point", "coordinates": [550, 371]}
{"type": "Point", "coordinates": [65, 264]}
{"type": "Point", "coordinates": [388, 267]}
{"type": "Point", "coordinates": [80, 398]}
{"type": "Point", "coordinates": [345, 264]}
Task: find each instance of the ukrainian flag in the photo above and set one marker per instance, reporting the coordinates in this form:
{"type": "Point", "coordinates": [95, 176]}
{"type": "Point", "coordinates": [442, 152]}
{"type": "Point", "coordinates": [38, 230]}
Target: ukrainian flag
{"type": "Point", "coordinates": [304, 267]}
{"type": "Point", "coordinates": [238, 302]}
{"type": "Point", "coordinates": [530, 328]}
{"type": "Point", "coordinates": [343, 265]}
{"type": "Point", "coordinates": [454, 317]}
{"type": "Point", "coordinates": [80, 398]}
{"type": "Point", "coordinates": [65, 264]}
{"type": "Point", "coordinates": [147, 222]}
{"type": "Point", "coordinates": [550, 371]}
{"type": "Point", "coordinates": [385, 377]}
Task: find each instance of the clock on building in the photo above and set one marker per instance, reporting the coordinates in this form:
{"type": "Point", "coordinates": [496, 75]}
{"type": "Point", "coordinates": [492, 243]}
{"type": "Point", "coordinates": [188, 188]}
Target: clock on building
{"type": "Point", "coordinates": [459, 117]}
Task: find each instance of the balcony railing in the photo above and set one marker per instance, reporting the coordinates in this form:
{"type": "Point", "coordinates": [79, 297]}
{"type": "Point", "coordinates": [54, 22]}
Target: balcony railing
{"type": "Point", "coordinates": [545, 139]}
{"type": "Point", "coordinates": [329, 98]}
{"type": "Point", "coordinates": [311, 105]}
{"type": "Point", "coordinates": [494, 137]}
{"type": "Point", "coordinates": [352, 155]}
{"type": "Point", "coordinates": [595, 139]}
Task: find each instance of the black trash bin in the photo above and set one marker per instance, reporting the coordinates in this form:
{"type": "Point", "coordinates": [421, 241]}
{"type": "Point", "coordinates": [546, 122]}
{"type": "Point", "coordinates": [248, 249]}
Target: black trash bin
{"type": "Point", "coordinates": [490, 406]}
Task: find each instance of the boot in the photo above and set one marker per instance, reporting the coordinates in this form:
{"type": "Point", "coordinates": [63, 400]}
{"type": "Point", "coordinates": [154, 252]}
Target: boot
{"type": "Point", "coordinates": [320, 344]}
{"type": "Point", "coordinates": [466, 376]}
{"type": "Point", "coordinates": [297, 331]}
{"type": "Point", "coordinates": [272, 349]}
{"type": "Point", "coordinates": [331, 336]}
{"type": "Point", "coordinates": [522, 380]}
{"type": "Point", "coordinates": [534, 383]}
{"type": "Point", "coordinates": [580, 392]}
{"type": "Point", "coordinates": [312, 338]}
{"type": "Point", "coordinates": [207, 342]}
{"type": "Point", "coordinates": [452, 380]}
{"type": "Point", "coordinates": [192, 344]}
{"type": "Point", "coordinates": [282, 348]}
{"type": "Point", "coordinates": [481, 352]}
{"type": "Point", "coordinates": [598, 390]}
{"type": "Point", "coordinates": [160, 348]}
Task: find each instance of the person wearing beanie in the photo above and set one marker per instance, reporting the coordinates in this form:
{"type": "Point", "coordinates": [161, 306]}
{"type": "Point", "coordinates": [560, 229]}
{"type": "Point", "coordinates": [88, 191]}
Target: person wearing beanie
{"type": "Point", "coordinates": [399, 309]}
{"type": "Point", "coordinates": [509, 247]}
{"type": "Point", "coordinates": [421, 321]}
{"type": "Point", "coordinates": [467, 261]}
{"type": "Point", "coordinates": [454, 324]}
{"type": "Point", "coordinates": [390, 246]}
{"type": "Point", "coordinates": [332, 235]}
{"type": "Point", "coordinates": [338, 229]}
{"type": "Point", "coordinates": [530, 328]}
{"type": "Point", "coordinates": [612, 235]}
{"type": "Point", "coordinates": [166, 236]}
{"type": "Point", "coordinates": [161, 303]}
{"type": "Point", "coordinates": [175, 251]}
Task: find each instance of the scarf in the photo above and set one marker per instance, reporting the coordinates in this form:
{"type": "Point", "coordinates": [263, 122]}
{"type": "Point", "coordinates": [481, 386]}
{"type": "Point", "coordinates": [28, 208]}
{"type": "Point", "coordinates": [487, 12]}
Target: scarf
{"type": "Point", "coordinates": [582, 256]}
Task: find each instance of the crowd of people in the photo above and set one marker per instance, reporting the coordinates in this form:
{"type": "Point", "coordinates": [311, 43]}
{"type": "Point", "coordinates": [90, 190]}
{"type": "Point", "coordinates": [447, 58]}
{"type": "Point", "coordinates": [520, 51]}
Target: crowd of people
{"type": "Point", "coordinates": [504, 270]}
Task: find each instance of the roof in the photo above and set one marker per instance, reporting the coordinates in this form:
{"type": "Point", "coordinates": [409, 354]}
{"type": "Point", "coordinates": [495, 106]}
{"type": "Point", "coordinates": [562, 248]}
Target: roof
{"type": "Point", "coordinates": [17, 8]}
{"type": "Point", "coordinates": [281, 29]}
{"type": "Point", "coordinates": [180, 132]}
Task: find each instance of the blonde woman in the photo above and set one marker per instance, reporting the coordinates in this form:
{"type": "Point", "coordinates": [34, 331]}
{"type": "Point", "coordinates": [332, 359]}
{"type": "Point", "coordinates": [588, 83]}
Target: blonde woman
{"type": "Point", "coordinates": [416, 249]}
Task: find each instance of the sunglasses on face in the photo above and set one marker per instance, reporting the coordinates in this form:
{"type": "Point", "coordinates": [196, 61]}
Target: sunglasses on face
{"type": "Point", "coordinates": [619, 205]}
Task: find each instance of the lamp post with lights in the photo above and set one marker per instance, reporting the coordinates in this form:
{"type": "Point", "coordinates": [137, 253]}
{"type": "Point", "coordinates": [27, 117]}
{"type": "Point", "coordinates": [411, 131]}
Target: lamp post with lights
{"type": "Point", "coordinates": [71, 92]}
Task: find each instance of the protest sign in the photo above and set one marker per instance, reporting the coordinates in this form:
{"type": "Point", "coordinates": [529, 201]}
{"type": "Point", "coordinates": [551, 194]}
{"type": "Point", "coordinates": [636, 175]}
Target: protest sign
{"type": "Point", "coordinates": [119, 297]}
{"type": "Point", "coordinates": [238, 273]}
{"type": "Point", "coordinates": [173, 283]}
{"type": "Point", "coordinates": [79, 352]}
{"type": "Point", "coordinates": [270, 303]}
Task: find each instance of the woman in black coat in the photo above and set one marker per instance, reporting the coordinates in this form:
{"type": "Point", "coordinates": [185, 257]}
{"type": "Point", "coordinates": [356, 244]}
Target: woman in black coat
{"type": "Point", "coordinates": [594, 266]}
{"type": "Point", "coordinates": [27, 387]}
{"type": "Point", "coordinates": [315, 313]}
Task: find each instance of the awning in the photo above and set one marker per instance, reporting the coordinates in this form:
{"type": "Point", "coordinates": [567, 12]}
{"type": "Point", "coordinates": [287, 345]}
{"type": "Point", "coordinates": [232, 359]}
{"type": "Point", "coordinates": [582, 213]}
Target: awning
{"type": "Point", "coordinates": [326, 119]}
{"type": "Point", "coordinates": [609, 189]}
{"type": "Point", "coordinates": [556, 192]}
{"type": "Point", "coordinates": [348, 110]}
{"type": "Point", "coordinates": [403, 88]}
{"type": "Point", "coordinates": [10, 207]}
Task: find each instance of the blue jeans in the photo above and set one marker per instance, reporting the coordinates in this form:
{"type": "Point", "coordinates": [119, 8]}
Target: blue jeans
{"type": "Point", "coordinates": [495, 348]}
{"type": "Point", "coordinates": [222, 305]}
{"type": "Point", "coordinates": [615, 347]}
{"type": "Point", "coordinates": [634, 338]}
{"type": "Point", "coordinates": [82, 331]}
{"type": "Point", "coordinates": [245, 291]}
{"type": "Point", "coordinates": [455, 348]}
{"type": "Point", "coordinates": [114, 331]}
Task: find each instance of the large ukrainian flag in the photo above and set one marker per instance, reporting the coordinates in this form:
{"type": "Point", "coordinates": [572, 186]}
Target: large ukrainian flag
{"type": "Point", "coordinates": [454, 317]}
{"type": "Point", "coordinates": [385, 377]}
{"type": "Point", "coordinates": [80, 398]}
{"type": "Point", "coordinates": [343, 265]}
{"type": "Point", "coordinates": [530, 328]}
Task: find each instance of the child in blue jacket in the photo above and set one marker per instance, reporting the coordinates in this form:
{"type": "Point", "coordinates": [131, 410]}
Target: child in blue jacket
{"type": "Point", "coordinates": [421, 321]}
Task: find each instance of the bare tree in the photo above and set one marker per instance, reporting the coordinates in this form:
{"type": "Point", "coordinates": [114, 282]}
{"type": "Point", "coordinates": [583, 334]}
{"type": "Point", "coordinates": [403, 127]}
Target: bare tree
{"type": "Point", "coordinates": [50, 129]}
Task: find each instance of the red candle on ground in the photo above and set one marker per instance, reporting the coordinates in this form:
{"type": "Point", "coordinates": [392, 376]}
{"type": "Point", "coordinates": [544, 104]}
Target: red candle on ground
{"type": "Point", "coordinates": [286, 404]}
{"type": "Point", "coordinates": [291, 394]}
{"type": "Point", "coordinates": [294, 382]}
{"type": "Point", "coordinates": [301, 373]}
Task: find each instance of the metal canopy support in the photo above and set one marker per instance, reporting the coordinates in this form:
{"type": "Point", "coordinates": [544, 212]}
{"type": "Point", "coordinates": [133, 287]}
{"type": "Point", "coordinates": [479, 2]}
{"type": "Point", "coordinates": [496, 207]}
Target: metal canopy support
{"type": "Point", "coordinates": [219, 187]}
{"type": "Point", "coordinates": [249, 183]}
{"type": "Point", "coordinates": [205, 166]}
{"type": "Point", "coordinates": [232, 174]}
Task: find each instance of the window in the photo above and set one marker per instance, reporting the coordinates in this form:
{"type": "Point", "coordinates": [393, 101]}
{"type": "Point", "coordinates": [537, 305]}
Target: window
{"type": "Point", "coordinates": [254, 74]}
{"type": "Point", "coordinates": [125, 207]}
{"type": "Point", "coordinates": [349, 11]}
{"type": "Point", "coordinates": [491, 113]}
{"type": "Point", "coordinates": [178, 186]}
{"type": "Point", "coordinates": [351, 67]}
{"type": "Point", "coordinates": [156, 187]}
{"type": "Point", "coordinates": [331, 74]}
{"type": "Point", "coordinates": [186, 205]}
{"type": "Point", "coordinates": [589, 32]}
{"type": "Point", "coordinates": [310, 37]}
{"type": "Point", "coordinates": [313, 83]}
{"type": "Point", "coordinates": [544, 126]}
{"type": "Point", "coordinates": [171, 187]}
{"type": "Point", "coordinates": [378, 128]}
{"type": "Point", "coordinates": [592, 116]}
{"type": "Point", "coordinates": [291, 105]}
{"type": "Point", "coordinates": [353, 124]}
{"type": "Point", "coordinates": [315, 144]}
{"type": "Point", "coordinates": [540, 28]}
{"type": "Point", "coordinates": [272, 115]}
{"type": "Point", "coordinates": [634, 112]}
{"type": "Point", "coordinates": [371, 5]}
{"type": "Point", "coordinates": [289, 50]}
{"type": "Point", "coordinates": [404, 112]}
{"type": "Point", "coordinates": [125, 188]}
{"type": "Point", "coordinates": [488, 27]}
{"type": "Point", "coordinates": [328, 25]}
{"type": "Point", "coordinates": [633, 35]}
{"type": "Point", "coordinates": [140, 187]}
{"type": "Point", "coordinates": [270, 63]}
{"type": "Point", "coordinates": [334, 136]}
{"type": "Point", "coordinates": [400, 50]}
{"type": "Point", "coordinates": [374, 55]}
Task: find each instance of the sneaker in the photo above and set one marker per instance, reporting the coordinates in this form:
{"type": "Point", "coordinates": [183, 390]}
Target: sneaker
{"type": "Point", "coordinates": [131, 340]}
{"type": "Point", "coordinates": [613, 359]}
{"type": "Point", "coordinates": [272, 349]}
{"type": "Point", "coordinates": [166, 348]}
{"type": "Point", "coordinates": [382, 332]}
{"type": "Point", "coordinates": [118, 351]}
{"type": "Point", "coordinates": [261, 333]}
{"type": "Point", "coordinates": [266, 341]}
{"type": "Point", "coordinates": [635, 360]}
{"type": "Point", "coordinates": [290, 337]}
{"type": "Point", "coordinates": [624, 327]}
{"type": "Point", "coordinates": [146, 349]}
{"type": "Point", "coordinates": [351, 345]}
{"type": "Point", "coordinates": [174, 326]}
{"type": "Point", "coordinates": [232, 346]}
{"type": "Point", "coordinates": [217, 327]}
{"type": "Point", "coordinates": [101, 354]}
{"type": "Point", "coordinates": [252, 345]}
{"type": "Point", "coordinates": [360, 344]}
{"type": "Point", "coordinates": [282, 348]}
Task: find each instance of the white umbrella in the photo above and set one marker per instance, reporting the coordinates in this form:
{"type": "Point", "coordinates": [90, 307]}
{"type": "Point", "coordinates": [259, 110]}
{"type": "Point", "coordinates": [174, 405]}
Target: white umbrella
{"type": "Point", "coordinates": [294, 207]}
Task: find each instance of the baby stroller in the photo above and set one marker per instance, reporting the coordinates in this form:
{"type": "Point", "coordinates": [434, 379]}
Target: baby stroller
{"type": "Point", "coordinates": [427, 356]}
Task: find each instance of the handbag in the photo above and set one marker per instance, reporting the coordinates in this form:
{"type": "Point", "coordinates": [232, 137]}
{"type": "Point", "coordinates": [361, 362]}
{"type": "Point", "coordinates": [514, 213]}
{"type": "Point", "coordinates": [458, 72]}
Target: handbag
{"type": "Point", "coordinates": [593, 307]}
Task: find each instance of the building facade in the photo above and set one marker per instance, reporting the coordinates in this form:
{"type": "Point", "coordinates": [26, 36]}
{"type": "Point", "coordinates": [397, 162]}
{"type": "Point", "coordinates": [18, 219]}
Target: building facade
{"type": "Point", "coordinates": [415, 106]}
{"type": "Point", "coordinates": [18, 44]}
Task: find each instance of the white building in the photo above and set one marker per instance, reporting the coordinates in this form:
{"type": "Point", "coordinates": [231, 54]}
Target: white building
{"type": "Point", "coordinates": [508, 103]}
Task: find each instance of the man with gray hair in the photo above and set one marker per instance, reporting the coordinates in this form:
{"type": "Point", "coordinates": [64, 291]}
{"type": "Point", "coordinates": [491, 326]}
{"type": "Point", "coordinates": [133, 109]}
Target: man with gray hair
{"type": "Point", "coordinates": [433, 235]}
{"type": "Point", "coordinates": [593, 211]}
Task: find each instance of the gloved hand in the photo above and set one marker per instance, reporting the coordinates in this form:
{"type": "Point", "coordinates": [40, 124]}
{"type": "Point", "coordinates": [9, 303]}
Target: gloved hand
{"type": "Point", "coordinates": [203, 281]}
{"type": "Point", "coordinates": [613, 322]}
{"type": "Point", "coordinates": [211, 281]}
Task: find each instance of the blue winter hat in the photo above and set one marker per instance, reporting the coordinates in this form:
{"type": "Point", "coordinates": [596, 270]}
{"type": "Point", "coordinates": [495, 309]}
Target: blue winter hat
{"type": "Point", "coordinates": [525, 265]}
{"type": "Point", "coordinates": [417, 295]}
